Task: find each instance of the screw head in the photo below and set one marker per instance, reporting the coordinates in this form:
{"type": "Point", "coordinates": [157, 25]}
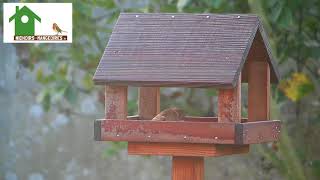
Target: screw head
{"type": "Point", "coordinates": [149, 136]}
{"type": "Point", "coordinates": [172, 16]}
{"type": "Point", "coordinates": [216, 137]}
{"type": "Point", "coordinates": [207, 17]}
{"type": "Point", "coordinates": [118, 135]}
{"type": "Point", "coordinates": [238, 17]}
{"type": "Point", "coordinates": [185, 137]}
{"type": "Point", "coordinates": [137, 16]}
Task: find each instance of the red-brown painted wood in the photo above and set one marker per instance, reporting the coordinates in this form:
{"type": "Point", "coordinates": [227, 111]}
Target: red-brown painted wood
{"type": "Point", "coordinates": [229, 104]}
{"type": "Point", "coordinates": [187, 168]}
{"type": "Point", "coordinates": [229, 107]}
{"type": "Point", "coordinates": [258, 86]}
{"type": "Point", "coordinates": [149, 102]}
{"type": "Point", "coordinates": [184, 149]}
{"type": "Point", "coordinates": [116, 102]}
{"type": "Point", "coordinates": [167, 131]}
{"type": "Point", "coordinates": [187, 131]}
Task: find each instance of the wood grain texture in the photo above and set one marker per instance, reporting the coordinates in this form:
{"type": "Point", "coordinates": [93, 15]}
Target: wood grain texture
{"type": "Point", "coordinates": [229, 109]}
{"type": "Point", "coordinates": [184, 149]}
{"type": "Point", "coordinates": [167, 131]}
{"type": "Point", "coordinates": [187, 168]}
{"type": "Point", "coordinates": [178, 50]}
{"type": "Point", "coordinates": [257, 132]}
{"type": "Point", "coordinates": [116, 102]}
{"type": "Point", "coordinates": [229, 104]}
{"type": "Point", "coordinates": [187, 132]}
{"type": "Point", "coordinates": [259, 52]}
{"type": "Point", "coordinates": [258, 87]}
{"type": "Point", "coordinates": [149, 102]}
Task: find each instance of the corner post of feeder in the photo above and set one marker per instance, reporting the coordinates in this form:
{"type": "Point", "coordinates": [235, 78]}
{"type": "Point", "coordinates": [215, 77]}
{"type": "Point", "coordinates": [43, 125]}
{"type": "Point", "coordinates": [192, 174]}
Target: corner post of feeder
{"type": "Point", "coordinates": [258, 90]}
{"type": "Point", "coordinates": [116, 102]}
{"type": "Point", "coordinates": [149, 102]}
{"type": "Point", "coordinates": [229, 110]}
{"type": "Point", "coordinates": [229, 104]}
{"type": "Point", "coordinates": [115, 108]}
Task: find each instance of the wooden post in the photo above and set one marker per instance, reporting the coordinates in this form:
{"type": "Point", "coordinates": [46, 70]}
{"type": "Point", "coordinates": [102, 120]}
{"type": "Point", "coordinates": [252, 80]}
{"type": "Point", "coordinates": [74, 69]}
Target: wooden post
{"type": "Point", "coordinates": [149, 102]}
{"type": "Point", "coordinates": [116, 102]}
{"type": "Point", "coordinates": [187, 168]}
{"type": "Point", "coordinates": [258, 90]}
{"type": "Point", "coordinates": [229, 104]}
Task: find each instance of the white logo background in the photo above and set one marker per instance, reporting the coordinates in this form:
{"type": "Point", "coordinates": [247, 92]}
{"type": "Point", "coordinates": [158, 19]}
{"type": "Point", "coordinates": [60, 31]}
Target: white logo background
{"type": "Point", "coordinates": [60, 13]}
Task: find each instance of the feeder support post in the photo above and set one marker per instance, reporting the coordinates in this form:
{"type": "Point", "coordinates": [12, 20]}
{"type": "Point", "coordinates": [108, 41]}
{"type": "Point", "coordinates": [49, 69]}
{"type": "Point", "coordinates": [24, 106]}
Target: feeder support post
{"type": "Point", "coordinates": [116, 102]}
{"type": "Point", "coordinates": [149, 102]}
{"type": "Point", "coordinates": [229, 104]}
{"type": "Point", "coordinates": [258, 90]}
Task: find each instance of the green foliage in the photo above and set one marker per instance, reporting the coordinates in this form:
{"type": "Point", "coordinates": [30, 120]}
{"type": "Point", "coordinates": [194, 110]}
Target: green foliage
{"type": "Point", "coordinates": [298, 86]}
{"type": "Point", "coordinates": [285, 157]}
{"type": "Point", "coordinates": [114, 148]}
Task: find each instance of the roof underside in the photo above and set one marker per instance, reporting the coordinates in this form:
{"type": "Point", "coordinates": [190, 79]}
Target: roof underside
{"type": "Point", "coordinates": [192, 50]}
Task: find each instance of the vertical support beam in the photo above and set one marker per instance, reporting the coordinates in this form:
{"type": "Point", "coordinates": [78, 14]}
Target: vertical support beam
{"type": "Point", "coordinates": [187, 168]}
{"type": "Point", "coordinates": [229, 104]}
{"type": "Point", "coordinates": [258, 90]}
{"type": "Point", "coordinates": [116, 102]}
{"type": "Point", "coordinates": [149, 102]}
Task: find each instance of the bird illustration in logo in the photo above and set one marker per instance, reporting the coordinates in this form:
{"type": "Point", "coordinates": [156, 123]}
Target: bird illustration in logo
{"type": "Point", "coordinates": [57, 29]}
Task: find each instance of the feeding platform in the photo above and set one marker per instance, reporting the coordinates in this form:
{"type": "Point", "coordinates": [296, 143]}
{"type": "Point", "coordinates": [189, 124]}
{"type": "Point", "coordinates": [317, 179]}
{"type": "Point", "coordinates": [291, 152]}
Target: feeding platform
{"type": "Point", "coordinates": [195, 51]}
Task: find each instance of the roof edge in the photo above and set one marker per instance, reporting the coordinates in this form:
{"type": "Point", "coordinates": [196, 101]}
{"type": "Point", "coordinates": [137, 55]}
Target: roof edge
{"type": "Point", "coordinates": [245, 53]}
{"type": "Point", "coordinates": [257, 29]}
{"type": "Point", "coordinates": [268, 48]}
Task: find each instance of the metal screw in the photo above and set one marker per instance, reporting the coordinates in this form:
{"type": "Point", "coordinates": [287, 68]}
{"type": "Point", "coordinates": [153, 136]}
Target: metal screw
{"type": "Point", "coordinates": [238, 17]}
{"type": "Point", "coordinates": [185, 137]}
{"type": "Point", "coordinates": [137, 16]}
{"type": "Point", "coordinates": [207, 16]}
{"type": "Point", "coordinates": [118, 135]}
{"type": "Point", "coordinates": [227, 57]}
{"type": "Point", "coordinates": [279, 131]}
{"type": "Point", "coordinates": [216, 137]}
{"type": "Point", "coordinates": [149, 136]}
{"type": "Point", "coordinates": [172, 16]}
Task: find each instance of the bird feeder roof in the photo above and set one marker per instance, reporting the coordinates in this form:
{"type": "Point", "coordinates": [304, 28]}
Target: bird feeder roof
{"type": "Point", "coordinates": [191, 50]}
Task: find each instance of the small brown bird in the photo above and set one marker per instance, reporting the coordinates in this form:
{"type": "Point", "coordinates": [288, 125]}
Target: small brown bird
{"type": "Point", "coordinates": [57, 29]}
{"type": "Point", "coordinates": [170, 114]}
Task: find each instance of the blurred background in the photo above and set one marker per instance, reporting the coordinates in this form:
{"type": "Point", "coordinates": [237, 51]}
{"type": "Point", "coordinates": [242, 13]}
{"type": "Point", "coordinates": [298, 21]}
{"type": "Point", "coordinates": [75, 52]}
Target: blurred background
{"type": "Point", "coordinates": [48, 101]}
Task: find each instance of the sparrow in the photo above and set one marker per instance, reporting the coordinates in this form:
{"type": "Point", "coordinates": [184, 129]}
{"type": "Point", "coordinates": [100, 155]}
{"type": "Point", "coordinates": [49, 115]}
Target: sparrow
{"type": "Point", "coordinates": [57, 29]}
{"type": "Point", "coordinates": [170, 114]}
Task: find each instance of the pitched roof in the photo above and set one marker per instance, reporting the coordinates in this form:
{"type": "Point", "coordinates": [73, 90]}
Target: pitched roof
{"type": "Point", "coordinates": [26, 10]}
{"type": "Point", "coordinates": [192, 50]}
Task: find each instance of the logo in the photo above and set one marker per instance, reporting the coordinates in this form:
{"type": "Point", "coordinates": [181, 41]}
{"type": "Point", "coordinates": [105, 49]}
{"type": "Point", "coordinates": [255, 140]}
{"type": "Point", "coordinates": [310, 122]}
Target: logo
{"type": "Point", "coordinates": [37, 22]}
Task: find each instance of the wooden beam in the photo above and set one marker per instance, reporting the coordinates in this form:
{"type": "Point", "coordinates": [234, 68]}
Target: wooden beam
{"type": "Point", "coordinates": [187, 131]}
{"type": "Point", "coordinates": [229, 104]}
{"type": "Point", "coordinates": [258, 90]}
{"type": "Point", "coordinates": [167, 131]}
{"type": "Point", "coordinates": [184, 149]}
{"type": "Point", "coordinates": [187, 168]}
{"type": "Point", "coordinates": [229, 107]}
{"type": "Point", "coordinates": [149, 102]}
{"type": "Point", "coordinates": [116, 102]}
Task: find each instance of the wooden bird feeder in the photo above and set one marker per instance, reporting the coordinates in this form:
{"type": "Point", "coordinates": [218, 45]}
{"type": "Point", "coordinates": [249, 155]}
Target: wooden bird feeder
{"type": "Point", "coordinates": [187, 50]}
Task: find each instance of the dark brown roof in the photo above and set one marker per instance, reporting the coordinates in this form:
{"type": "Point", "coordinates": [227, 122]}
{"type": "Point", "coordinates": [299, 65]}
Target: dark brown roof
{"type": "Point", "coordinates": [192, 50]}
